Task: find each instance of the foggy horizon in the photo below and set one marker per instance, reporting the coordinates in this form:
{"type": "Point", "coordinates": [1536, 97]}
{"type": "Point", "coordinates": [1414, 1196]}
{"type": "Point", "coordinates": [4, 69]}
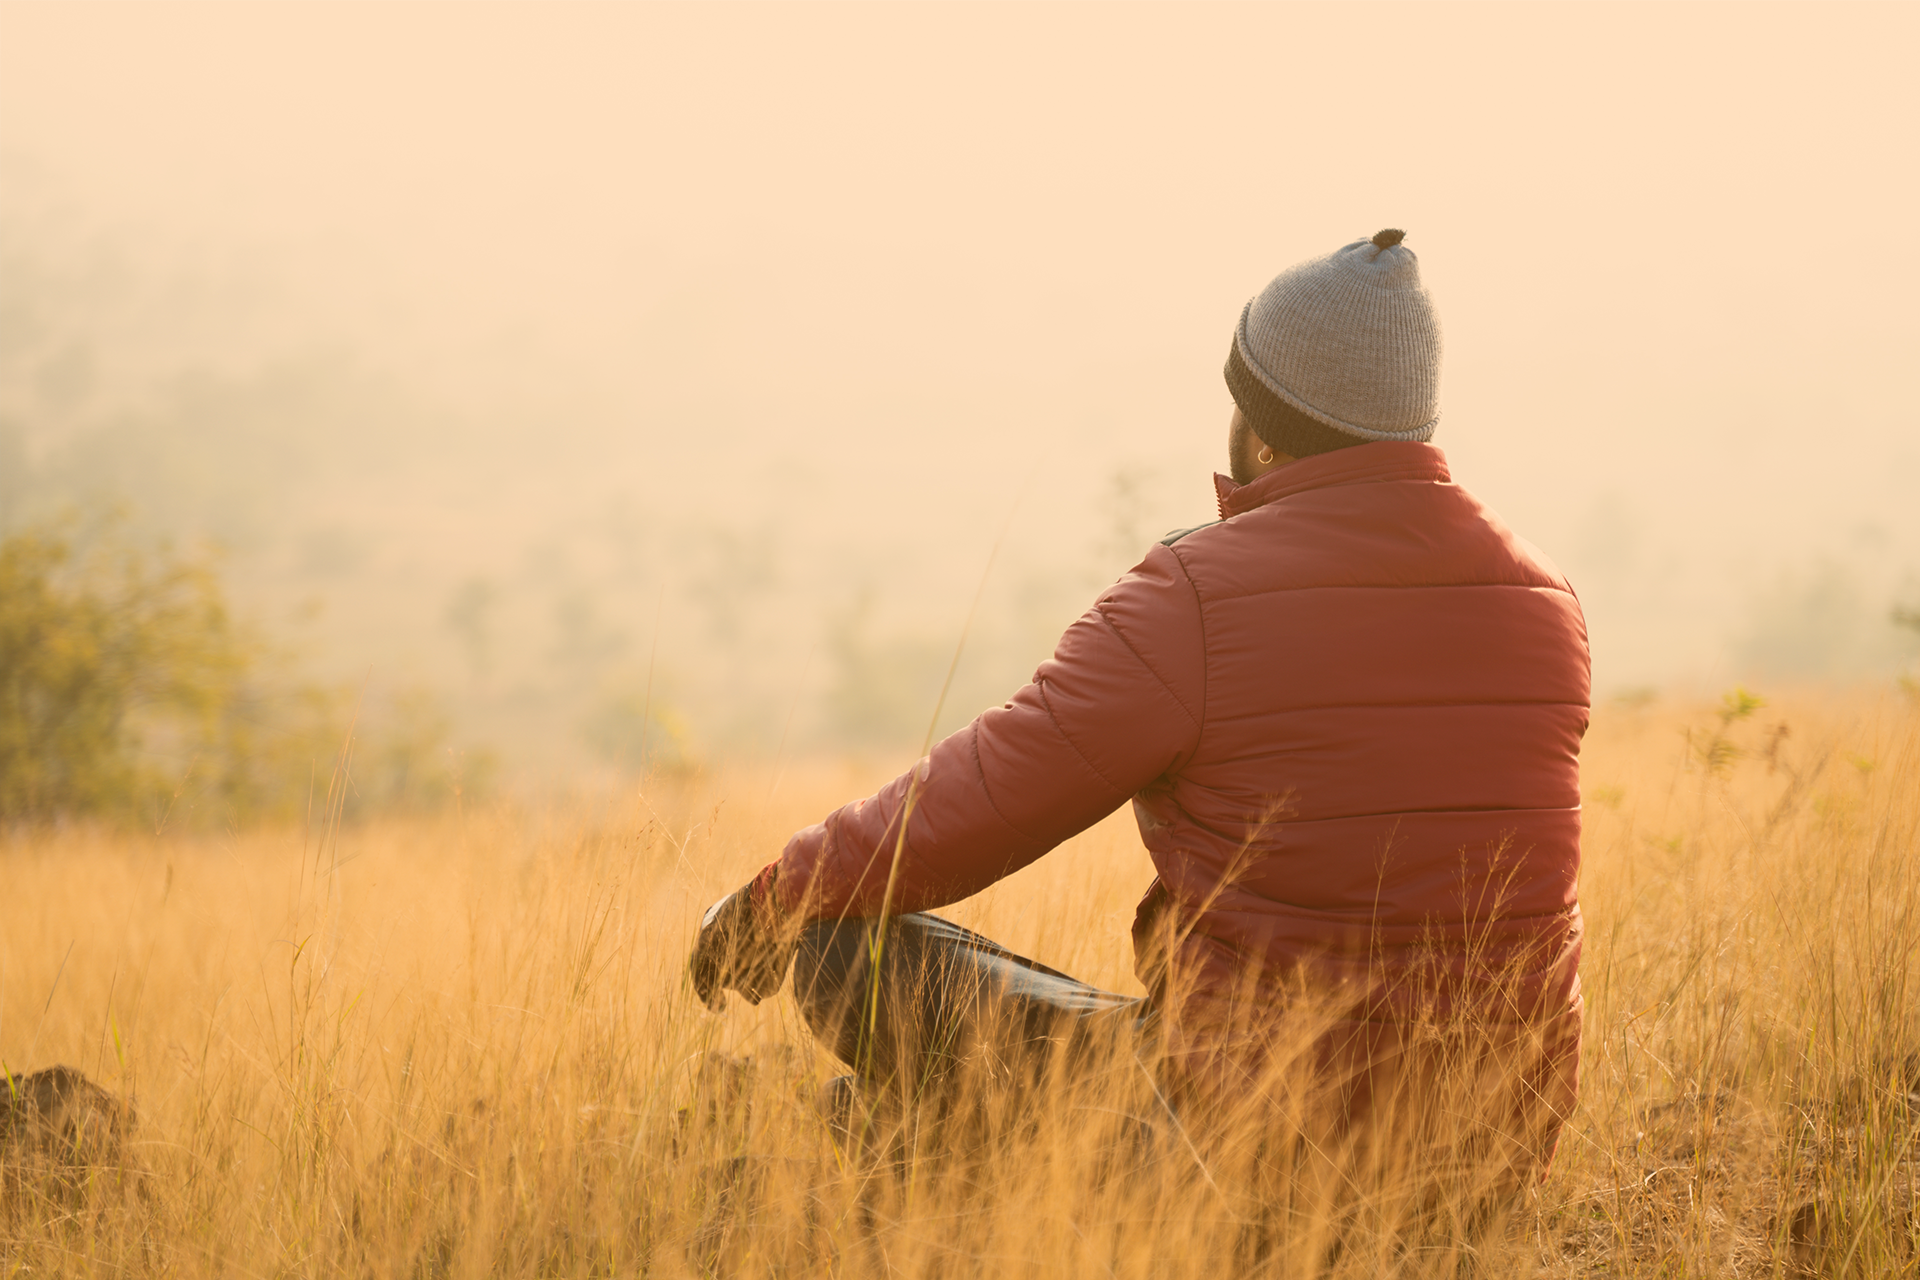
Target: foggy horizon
{"type": "Point", "coordinates": [554, 358]}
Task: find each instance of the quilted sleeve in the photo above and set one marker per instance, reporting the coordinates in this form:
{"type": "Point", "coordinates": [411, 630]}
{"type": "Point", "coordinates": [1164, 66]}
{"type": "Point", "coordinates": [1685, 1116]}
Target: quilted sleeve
{"type": "Point", "coordinates": [1118, 705]}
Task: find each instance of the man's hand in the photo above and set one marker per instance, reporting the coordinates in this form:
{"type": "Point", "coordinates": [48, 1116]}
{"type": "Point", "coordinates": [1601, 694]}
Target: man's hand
{"type": "Point", "coordinates": [742, 946]}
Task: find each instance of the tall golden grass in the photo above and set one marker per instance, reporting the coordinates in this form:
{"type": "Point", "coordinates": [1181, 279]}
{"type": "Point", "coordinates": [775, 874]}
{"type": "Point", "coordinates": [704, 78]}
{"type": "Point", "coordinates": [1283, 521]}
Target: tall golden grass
{"type": "Point", "coordinates": [466, 1047]}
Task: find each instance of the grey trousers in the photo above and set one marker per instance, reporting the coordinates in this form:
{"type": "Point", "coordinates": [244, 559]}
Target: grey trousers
{"type": "Point", "coordinates": [945, 994]}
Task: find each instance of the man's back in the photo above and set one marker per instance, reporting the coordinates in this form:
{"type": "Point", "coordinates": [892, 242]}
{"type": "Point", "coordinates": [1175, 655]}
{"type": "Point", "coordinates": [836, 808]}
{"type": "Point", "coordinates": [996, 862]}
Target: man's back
{"type": "Point", "coordinates": [1375, 829]}
{"type": "Point", "coordinates": [1393, 693]}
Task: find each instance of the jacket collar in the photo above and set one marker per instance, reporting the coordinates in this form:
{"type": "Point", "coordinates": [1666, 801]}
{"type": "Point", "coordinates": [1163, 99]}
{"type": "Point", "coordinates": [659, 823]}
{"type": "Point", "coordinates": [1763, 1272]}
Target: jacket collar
{"type": "Point", "coordinates": [1384, 460]}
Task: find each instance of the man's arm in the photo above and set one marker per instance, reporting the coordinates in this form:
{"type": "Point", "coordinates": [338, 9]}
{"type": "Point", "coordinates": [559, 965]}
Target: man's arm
{"type": "Point", "coordinates": [1119, 704]}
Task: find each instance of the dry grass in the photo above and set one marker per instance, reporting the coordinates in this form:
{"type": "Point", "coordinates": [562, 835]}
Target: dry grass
{"type": "Point", "coordinates": [466, 1048]}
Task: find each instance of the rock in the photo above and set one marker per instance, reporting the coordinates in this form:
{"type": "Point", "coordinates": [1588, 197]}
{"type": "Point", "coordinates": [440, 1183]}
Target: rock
{"type": "Point", "coordinates": [59, 1115]}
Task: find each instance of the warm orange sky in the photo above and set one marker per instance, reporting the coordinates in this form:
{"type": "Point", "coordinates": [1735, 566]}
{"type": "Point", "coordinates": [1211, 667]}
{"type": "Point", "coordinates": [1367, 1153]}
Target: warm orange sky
{"type": "Point", "coordinates": [875, 268]}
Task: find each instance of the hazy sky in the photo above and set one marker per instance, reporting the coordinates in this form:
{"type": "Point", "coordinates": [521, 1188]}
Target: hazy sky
{"type": "Point", "coordinates": [852, 279]}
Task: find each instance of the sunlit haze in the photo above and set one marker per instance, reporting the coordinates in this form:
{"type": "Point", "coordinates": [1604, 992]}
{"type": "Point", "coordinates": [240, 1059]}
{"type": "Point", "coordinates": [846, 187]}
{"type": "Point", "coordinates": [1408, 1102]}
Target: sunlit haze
{"type": "Point", "coordinates": [554, 357]}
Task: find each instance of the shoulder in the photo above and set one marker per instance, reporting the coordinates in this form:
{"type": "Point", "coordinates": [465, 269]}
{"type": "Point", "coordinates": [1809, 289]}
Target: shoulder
{"type": "Point", "coordinates": [1509, 557]}
{"type": "Point", "coordinates": [1151, 592]}
{"type": "Point", "coordinates": [1178, 534]}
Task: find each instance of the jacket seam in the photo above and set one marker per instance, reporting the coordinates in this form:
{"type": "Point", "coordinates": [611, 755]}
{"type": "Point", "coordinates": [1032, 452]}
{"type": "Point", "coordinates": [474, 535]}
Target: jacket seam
{"type": "Point", "coordinates": [1142, 660]}
{"type": "Point", "coordinates": [1398, 586]}
{"type": "Point", "coordinates": [1323, 916]}
{"type": "Point", "coordinates": [1206, 664]}
{"type": "Point", "coordinates": [1281, 826]}
{"type": "Point", "coordinates": [1399, 704]}
{"type": "Point", "coordinates": [1422, 813]}
{"type": "Point", "coordinates": [980, 771]}
{"type": "Point", "coordinates": [1067, 738]}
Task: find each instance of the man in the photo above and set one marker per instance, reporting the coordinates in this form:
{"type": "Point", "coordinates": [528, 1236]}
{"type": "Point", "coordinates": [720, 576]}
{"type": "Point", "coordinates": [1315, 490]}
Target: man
{"type": "Point", "coordinates": [1348, 715]}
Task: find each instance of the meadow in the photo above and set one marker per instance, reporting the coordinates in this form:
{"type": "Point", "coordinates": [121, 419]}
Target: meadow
{"type": "Point", "coordinates": [464, 1045]}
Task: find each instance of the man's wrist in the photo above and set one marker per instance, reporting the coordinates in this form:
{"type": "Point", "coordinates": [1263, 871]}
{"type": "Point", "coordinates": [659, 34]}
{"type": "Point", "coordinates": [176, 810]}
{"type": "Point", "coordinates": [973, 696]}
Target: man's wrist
{"type": "Point", "coordinates": [763, 894]}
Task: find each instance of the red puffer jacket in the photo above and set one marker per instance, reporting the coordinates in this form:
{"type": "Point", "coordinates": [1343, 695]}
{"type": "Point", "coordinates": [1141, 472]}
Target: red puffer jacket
{"type": "Point", "coordinates": [1349, 718]}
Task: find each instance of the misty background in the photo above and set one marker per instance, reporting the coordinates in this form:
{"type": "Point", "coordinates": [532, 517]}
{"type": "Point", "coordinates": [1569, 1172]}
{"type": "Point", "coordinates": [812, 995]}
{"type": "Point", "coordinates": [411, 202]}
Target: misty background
{"type": "Point", "coordinates": [659, 381]}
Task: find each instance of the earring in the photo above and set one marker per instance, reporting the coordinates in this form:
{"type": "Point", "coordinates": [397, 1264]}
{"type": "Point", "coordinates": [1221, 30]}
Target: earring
{"type": "Point", "coordinates": [1265, 455]}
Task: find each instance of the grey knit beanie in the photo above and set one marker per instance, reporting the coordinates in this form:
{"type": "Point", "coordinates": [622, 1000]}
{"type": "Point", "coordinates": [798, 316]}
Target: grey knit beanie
{"type": "Point", "coordinates": [1340, 351]}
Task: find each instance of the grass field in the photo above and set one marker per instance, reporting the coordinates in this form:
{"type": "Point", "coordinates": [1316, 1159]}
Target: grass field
{"type": "Point", "coordinates": [465, 1047]}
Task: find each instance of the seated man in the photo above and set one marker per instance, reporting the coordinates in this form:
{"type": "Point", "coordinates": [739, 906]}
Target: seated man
{"type": "Point", "coordinates": [1348, 715]}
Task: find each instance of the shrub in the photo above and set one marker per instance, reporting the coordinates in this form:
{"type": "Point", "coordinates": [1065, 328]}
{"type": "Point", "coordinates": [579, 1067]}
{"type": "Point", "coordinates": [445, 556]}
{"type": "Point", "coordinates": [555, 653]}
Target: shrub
{"type": "Point", "coordinates": [128, 691]}
{"type": "Point", "coordinates": [115, 668]}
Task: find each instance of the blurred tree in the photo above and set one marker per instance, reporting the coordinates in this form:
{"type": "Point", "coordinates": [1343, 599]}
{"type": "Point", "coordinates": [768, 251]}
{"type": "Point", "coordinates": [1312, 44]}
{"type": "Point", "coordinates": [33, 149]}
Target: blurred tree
{"type": "Point", "coordinates": [15, 471]}
{"type": "Point", "coordinates": [585, 643]}
{"type": "Point", "coordinates": [407, 760]}
{"type": "Point", "coordinates": [737, 568]}
{"type": "Point", "coordinates": [883, 689]}
{"type": "Point", "coordinates": [1127, 534]}
{"type": "Point", "coordinates": [634, 733]}
{"type": "Point", "coordinates": [109, 663]}
{"type": "Point", "coordinates": [127, 690]}
{"type": "Point", "coordinates": [1819, 621]}
{"type": "Point", "coordinates": [470, 617]}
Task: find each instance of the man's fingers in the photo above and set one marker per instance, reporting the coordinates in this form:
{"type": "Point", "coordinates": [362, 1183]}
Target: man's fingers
{"type": "Point", "coordinates": [702, 975]}
{"type": "Point", "coordinates": [732, 952]}
{"type": "Point", "coordinates": [708, 982]}
{"type": "Point", "coordinates": [704, 966]}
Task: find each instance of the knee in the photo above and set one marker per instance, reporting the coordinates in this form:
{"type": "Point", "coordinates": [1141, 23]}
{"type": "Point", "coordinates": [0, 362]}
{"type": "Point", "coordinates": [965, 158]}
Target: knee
{"type": "Point", "coordinates": [826, 971]}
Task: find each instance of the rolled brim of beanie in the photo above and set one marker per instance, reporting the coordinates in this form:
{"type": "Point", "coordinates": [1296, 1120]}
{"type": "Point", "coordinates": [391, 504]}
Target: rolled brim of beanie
{"type": "Point", "coordinates": [1261, 400]}
{"type": "Point", "coordinates": [1277, 423]}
